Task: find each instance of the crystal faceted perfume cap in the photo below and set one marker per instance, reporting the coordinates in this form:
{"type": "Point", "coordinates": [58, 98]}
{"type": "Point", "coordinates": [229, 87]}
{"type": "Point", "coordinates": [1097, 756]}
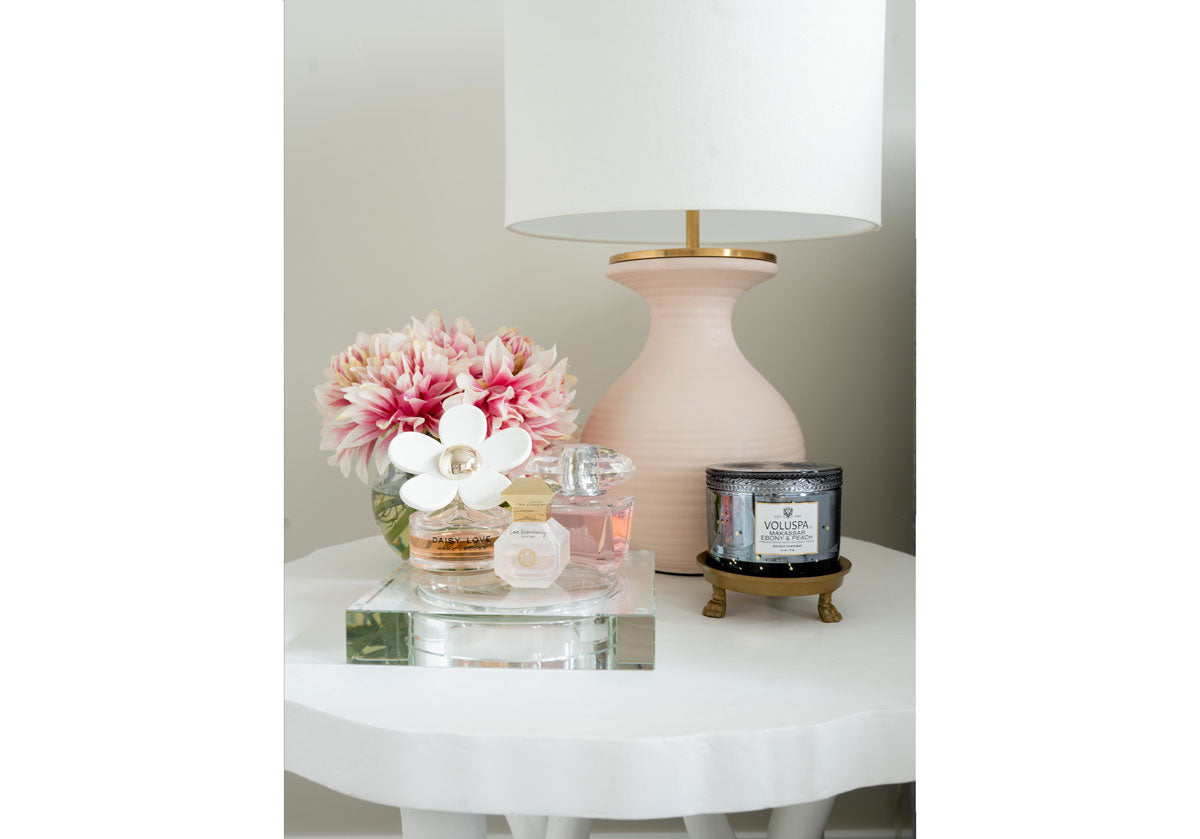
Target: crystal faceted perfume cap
{"type": "Point", "coordinates": [581, 469]}
{"type": "Point", "coordinates": [529, 499]}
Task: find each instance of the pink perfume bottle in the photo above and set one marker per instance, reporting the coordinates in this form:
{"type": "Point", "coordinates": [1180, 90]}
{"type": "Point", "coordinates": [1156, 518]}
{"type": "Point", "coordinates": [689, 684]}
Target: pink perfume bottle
{"type": "Point", "coordinates": [599, 522]}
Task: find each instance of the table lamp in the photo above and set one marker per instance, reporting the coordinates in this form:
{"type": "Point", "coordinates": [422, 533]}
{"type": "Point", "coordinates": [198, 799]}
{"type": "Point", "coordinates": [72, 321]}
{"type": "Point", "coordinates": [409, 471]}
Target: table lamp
{"type": "Point", "coordinates": [703, 126]}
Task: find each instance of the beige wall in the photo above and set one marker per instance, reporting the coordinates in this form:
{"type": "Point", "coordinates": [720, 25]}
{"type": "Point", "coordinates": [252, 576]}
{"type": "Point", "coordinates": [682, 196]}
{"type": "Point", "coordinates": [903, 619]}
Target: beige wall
{"type": "Point", "coordinates": [395, 201]}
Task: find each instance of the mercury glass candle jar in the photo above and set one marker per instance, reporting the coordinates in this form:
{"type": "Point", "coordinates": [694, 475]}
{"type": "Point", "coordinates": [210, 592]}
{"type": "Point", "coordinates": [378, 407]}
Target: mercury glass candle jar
{"type": "Point", "coordinates": [774, 518]}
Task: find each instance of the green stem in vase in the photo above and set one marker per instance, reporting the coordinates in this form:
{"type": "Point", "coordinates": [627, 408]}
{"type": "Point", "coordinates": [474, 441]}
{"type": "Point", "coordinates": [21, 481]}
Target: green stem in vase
{"type": "Point", "coordinates": [392, 514]}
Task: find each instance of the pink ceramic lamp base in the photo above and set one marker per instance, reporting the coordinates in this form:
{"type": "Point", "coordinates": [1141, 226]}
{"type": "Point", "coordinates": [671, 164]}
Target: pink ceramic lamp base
{"type": "Point", "coordinates": [690, 399]}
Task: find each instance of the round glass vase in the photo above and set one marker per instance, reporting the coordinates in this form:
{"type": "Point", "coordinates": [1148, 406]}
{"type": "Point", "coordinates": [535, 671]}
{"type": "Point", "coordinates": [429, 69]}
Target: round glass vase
{"type": "Point", "coordinates": [392, 514]}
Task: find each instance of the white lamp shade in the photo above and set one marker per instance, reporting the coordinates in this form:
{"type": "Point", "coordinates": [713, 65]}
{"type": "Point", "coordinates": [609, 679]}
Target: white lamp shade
{"type": "Point", "coordinates": [766, 115]}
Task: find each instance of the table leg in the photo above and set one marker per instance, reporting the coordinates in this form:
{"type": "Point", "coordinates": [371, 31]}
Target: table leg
{"type": "Point", "coordinates": [435, 824]}
{"type": "Point", "coordinates": [716, 606]}
{"type": "Point", "coordinates": [546, 827]}
{"type": "Point", "coordinates": [708, 826]}
{"type": "Point", "coordinates": [800, 821]}
{"type": "Point", "coordinates": [565, 827]}
{"type": "Point", "coordinates": [527, 827]}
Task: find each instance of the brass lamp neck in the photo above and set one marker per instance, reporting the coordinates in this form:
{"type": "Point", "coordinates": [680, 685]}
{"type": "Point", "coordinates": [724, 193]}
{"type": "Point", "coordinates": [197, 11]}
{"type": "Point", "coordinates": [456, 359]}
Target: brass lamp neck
{"type": "Point", "coordinates": [692, 248]}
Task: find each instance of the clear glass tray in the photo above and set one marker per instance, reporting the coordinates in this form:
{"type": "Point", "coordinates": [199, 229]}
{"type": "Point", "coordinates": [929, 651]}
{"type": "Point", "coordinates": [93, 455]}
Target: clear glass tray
{"type": "Point", "coordinates": [589, 619]}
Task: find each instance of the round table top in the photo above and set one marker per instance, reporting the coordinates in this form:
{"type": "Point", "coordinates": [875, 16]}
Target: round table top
{"type": "Point", "coordinates": [765, 707]}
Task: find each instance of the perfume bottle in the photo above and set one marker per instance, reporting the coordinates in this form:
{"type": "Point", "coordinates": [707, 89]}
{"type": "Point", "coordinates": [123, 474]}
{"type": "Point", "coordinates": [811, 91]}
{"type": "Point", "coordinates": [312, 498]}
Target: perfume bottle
{"type": "Point", "coordinates": [534, 549]}
{"type": "Point", "coordinates": [599, 523]}
{"type": "Point", "coordinates": [455, 538]}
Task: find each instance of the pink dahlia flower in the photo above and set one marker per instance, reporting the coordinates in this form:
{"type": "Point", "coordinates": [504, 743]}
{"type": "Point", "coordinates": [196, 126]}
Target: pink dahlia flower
{"type": "Point", "coordinates": [459, 338]}
{"type": "Point", "coordinates": [533, 392]}
{"type": "Point", "coordinates": [521, 346]}
{"type": "Point", "coordinates": [385, 383]}
{"type": "Point", "coordinates": [390, 382]}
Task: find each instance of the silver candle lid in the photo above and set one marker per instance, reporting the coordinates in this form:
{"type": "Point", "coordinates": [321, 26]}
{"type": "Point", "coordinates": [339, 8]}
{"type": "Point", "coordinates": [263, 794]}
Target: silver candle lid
{"type": "Point", "coordinates": [773, 476]}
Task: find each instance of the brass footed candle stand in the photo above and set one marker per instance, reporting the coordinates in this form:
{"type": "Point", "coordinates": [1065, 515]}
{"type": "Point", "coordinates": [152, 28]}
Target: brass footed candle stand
{"type": "Point", "coordinates": [824, 586]}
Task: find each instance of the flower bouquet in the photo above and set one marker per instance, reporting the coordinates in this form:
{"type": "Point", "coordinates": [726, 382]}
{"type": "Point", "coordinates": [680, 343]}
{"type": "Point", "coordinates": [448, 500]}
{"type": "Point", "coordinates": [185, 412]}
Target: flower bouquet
{"type": "Point", "coordinates": [393, 382]}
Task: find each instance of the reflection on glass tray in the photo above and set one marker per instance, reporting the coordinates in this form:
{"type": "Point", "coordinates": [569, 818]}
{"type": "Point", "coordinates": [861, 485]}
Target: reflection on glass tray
{"type": "Point", "coordinates": [575, 589]}
{"type": "Point", "coordinates": [589, 619]}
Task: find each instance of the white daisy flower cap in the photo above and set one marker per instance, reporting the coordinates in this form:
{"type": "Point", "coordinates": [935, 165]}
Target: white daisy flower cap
{"type": "Point", "coordinates": [466, 464]}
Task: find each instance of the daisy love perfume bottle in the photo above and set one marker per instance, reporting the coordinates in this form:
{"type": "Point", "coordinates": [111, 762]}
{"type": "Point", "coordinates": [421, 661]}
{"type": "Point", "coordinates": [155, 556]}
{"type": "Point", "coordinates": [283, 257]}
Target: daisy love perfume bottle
{"type": "Point", "coordinates": [455, 538]}
{"type": "Point", "coordinates": [599, 523]}
{"type": "Point", "coordinates": [455, 486]}
{"type": "Point", "coordinates": [534, 549]}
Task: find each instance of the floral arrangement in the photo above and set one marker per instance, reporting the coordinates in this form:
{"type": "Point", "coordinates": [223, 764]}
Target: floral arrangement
{"type": "Point", "coordinates": [391, 382]}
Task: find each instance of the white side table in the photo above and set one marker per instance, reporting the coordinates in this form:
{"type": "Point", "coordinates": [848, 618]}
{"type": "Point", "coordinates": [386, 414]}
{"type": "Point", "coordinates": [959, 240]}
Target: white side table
{"type": "Point", "coordinates": [767, 707]}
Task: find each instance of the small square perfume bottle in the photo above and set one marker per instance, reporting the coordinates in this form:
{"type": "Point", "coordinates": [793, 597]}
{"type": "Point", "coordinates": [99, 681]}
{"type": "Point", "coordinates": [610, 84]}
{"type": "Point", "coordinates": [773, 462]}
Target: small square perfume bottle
{"type": "Point", "coordinates": [534, 549]}
{"type": "Point", "coordinates": [599, 523]}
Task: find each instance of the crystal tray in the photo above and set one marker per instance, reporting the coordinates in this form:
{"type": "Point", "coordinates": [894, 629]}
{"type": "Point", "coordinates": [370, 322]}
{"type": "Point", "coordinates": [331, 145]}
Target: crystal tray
{"type": "Point", "coordinates": [591, 618]}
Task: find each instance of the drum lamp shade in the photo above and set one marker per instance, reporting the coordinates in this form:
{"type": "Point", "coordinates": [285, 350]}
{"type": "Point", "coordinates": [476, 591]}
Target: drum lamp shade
{"type": "Point", "coordinates": [765, 115]}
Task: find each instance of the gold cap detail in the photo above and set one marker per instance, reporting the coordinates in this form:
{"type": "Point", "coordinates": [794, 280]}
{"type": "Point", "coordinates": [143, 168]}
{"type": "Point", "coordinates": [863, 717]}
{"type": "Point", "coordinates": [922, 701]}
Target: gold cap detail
{"type": "Point", "coordinates": [529, 499]}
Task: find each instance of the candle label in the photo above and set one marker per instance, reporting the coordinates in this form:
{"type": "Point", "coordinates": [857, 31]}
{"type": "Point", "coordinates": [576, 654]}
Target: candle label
{"type": "Point", "coordinates": [785, 529]}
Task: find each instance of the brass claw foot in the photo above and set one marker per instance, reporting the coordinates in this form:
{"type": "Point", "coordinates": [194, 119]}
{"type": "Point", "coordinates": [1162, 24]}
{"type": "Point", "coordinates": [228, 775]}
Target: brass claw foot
{"type": "Point", "coordinates": [716, 606]}
{"type": "Point", "coordinates": [723, 580]}
{"type": "Point", "coordinates": [826, 609]}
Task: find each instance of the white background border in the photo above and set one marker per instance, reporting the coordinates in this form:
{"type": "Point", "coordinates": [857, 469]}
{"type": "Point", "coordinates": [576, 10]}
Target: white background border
{"type": "Point", "coordinates": [142, 271]}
